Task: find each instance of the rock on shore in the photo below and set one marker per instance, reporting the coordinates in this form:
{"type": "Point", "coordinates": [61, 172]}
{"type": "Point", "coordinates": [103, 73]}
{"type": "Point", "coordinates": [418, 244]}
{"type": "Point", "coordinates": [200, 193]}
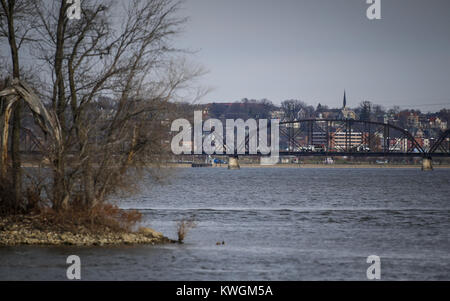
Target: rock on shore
{"type": "Point", "coordinates": [24, 233]}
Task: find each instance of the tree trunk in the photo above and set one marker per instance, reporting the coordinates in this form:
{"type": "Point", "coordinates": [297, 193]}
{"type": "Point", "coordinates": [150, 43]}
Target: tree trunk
{"type": "Point", "coordinates": [10, 12]}
{"type": "Point", "coordinates": [6, 115]}
{"type": "Point", "coordinates": [89, 185]}
{"type": "Point", "coordinates": [59, 194]}
{"type": "Point", "coordinates": [15, 153]}
{"type": "Point", "coordinates": [58, 184]}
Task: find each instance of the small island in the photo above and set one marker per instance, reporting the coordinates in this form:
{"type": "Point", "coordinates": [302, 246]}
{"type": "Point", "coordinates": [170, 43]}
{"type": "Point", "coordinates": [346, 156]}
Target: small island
{"type": "Point", "coordinates": [25, 232]}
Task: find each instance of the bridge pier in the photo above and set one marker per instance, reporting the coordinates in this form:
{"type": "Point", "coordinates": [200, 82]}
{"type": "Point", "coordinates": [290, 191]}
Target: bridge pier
{"type": "Point", "coordinates": [427, 164]}
{"type": "Point", "coordinates": [233, 163]}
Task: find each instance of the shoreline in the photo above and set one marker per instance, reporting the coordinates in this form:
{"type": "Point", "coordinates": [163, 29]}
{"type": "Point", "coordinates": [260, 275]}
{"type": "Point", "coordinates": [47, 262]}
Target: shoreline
{"type": "Point", "coordinates": [283, 165]}
{"type": "Point", "coordinates": [23, 232]}
{"type": "Point", "coordinates": [312, 165]}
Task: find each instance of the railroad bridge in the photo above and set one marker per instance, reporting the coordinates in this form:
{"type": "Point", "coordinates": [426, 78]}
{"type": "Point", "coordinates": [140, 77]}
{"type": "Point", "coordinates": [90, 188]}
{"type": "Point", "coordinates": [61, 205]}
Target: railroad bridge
{"type": "Point", "coordinates": [354, 138]}
{"type": "Point", "coordinates": [332, 138]}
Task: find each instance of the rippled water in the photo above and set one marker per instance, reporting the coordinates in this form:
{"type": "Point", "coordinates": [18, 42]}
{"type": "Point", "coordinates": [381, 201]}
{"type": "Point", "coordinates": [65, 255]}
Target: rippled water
{"type": "Point", "coordinates": [277, 224]}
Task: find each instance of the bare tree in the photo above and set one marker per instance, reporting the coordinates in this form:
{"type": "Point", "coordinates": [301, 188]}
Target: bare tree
{"type": "Point", "coordinates": [127, 58]}
{"type": "Point", "coordinates": [365, 109]}
{"type": "Point", "coordinates": [15, 26]}
{"type": "Point", "coordinates": [294, 109]}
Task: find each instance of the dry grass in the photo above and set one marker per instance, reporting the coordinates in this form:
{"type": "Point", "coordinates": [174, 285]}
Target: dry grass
{"type": "Point", "coordinates": [100, 218]}
{"type": "Point", "coordinates": [183, 227]}
{"type": "Point", "coordinates": [78, 217]}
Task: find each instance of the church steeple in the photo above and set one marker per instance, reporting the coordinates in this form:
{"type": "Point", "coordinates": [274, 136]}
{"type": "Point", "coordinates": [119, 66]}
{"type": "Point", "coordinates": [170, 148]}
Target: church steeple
{"type": "Point", "coordinates": [345, 101]}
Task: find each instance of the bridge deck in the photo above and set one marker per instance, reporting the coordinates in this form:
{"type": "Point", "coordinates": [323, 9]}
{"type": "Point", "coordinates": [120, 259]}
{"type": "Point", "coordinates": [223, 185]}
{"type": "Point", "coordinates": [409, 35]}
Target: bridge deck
{"type": "Point", "coordinates": [337, 154]}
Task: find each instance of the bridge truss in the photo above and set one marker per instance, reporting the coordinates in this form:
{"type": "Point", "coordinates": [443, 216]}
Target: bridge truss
{"type": "Point", "coordinates": [335, 137]}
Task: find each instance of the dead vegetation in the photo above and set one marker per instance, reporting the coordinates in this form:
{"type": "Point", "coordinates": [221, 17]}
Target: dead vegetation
{"type": "Point", "coordinates": [98, 219]}
{"type": "Point", "coordinates": [101, 108]}
{"type": "Point", "coordinates": [103, 217]}
{"type": "Point", "coordinates": [184, 226]}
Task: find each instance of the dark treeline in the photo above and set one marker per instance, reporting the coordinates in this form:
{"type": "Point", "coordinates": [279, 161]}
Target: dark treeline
{"type": "Point", "coordinates": [430, 124]}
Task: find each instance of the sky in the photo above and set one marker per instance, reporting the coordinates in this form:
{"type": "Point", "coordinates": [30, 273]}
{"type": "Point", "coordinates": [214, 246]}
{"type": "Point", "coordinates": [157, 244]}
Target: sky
{"type": "Point", "coordinates": [314, 49]}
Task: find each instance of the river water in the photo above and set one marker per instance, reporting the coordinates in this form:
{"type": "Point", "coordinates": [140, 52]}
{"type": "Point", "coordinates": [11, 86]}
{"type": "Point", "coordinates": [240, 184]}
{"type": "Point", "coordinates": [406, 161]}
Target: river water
{"type": "Point", "coordinates": [277, 224]}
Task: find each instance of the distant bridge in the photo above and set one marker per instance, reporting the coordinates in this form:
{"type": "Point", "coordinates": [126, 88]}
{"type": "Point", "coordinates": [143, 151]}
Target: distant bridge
{"type": "Point", "coordinates": [351, 138]}
{"type": "Point", "coordinates": [336, 137]}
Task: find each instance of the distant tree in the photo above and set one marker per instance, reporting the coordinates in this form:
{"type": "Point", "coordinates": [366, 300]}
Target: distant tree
{"type": "Point", "coordinates": [444, 115]}
{"type": "Point", "coordinates": [378, 112]}
{"type": "Point", "coordinates": [253, 108]}
{"type": "Point", "coordinates": [266, 108]}
{"type": "Point", "coordinates": [394, 111]}
{"type": "Point", "coordinates": [309, 111]}
{"type": "Point", "coordinates": [216, 110]}
{"type": "Point", "coordinates": [403, 117]}
{"type": "Point", "coordinates": [294, 109]}
{"type": "Point", "coordinates": [321, 108]}
{"type": "Point", "coordinates": [365, 110]}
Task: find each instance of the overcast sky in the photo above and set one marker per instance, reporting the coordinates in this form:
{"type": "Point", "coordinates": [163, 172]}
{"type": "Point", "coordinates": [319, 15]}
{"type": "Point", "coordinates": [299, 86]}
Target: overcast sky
{"type": "Point", "coordinates": [314, 49]}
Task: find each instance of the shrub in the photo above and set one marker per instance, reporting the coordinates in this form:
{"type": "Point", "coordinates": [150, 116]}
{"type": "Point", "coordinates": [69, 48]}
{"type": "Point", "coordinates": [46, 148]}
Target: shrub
{"type": "Point", "coordinates": [100, 218]}
{"type": "Point", "coordinates": [8, 205]}
{"type": "Point", "coordinates": [183, 227]}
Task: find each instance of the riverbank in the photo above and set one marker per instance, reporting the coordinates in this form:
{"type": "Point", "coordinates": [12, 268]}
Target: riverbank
{"type": "Point", "coordinates": [244, 164]}
{"type": "Point", "coordinates": [349, 165]}
{"type": "Point", "coordinates": [310, 165]}
{"type": "Point", "coordinates": [29, 230]}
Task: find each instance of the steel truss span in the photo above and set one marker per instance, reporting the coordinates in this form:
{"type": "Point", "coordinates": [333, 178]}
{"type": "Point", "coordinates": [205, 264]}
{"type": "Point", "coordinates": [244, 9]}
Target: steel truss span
{"type": "Point", "coordinates": [329, 137]}
{"type": "Point", "coordinates": [335, 137]}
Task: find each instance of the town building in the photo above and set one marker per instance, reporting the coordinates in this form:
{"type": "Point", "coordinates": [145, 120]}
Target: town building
{"type": "Point", "coordinates": [346, 113]}
{"type": "Point", "coordinates": [341, 140]}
